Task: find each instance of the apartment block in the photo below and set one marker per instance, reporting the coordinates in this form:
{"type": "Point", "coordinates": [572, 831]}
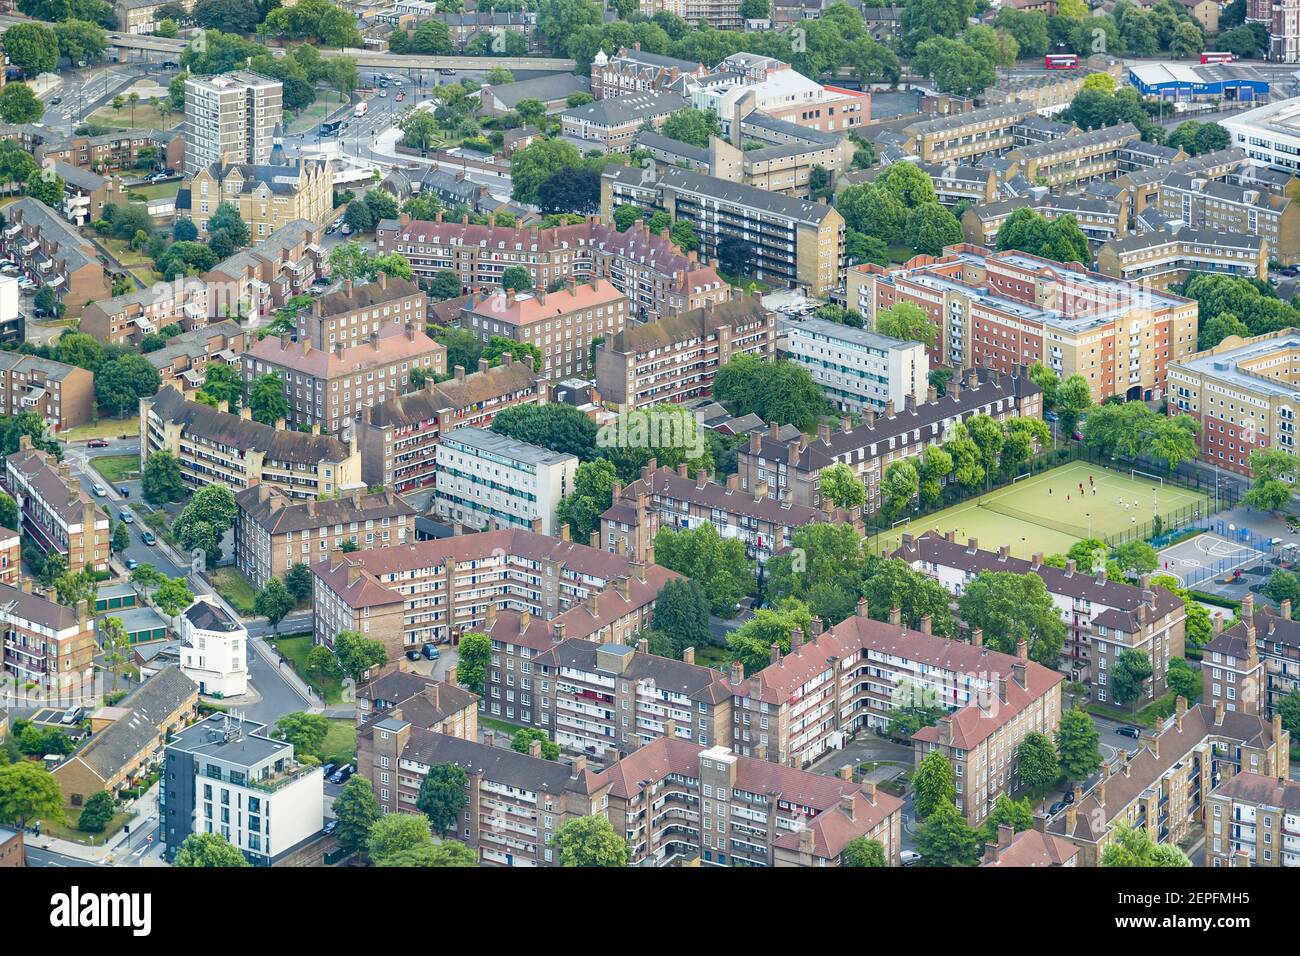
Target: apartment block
{"type": "Point", "coordinates": [228, 775]}
{"type": "Point", "coordinates": [653, 273]}
{"type": "Point", "coordinates": [1100, 220]}
{"type": "Point", "coordinates": [126, 319]}
{"type": "Point", "coordinates": [676, 357]}
{"type": "Point", "coordinates": [1073, 160]}
{"type": "Point", "coordinates": [1208, 205]}
{"type": "Point", "coordinates": [719, 14]}
{"type": "Point", "coordinates": [954, 183]}
{"type": "Point", "coordinates": [45, 643]}
{"type": "Point", "coordinates": [1241, 393]}
{"type": "Point", "coordinates": [1254, 819]}
{"type": "Point", "coordinates": [850, 678]}
{"type": "Point", "coordinates": [856, 368]}
{"type": "Point", "coordinates": [1102, 617]}
{"type": "Point", "coordinates": [273, 531]}
{"type": "Point", "coordinates": [612, 124]}
{"type": "Point", "coordinates": [436, 590]}
{"type": "Point", "coordinates": [350, 315]}
{"type": "Point", "coordinates": [965, 137]}
{"type": "Point", "coordinates": [327, 388]}
{"type": "Point", "coordinates": [1174, 253]}
{"type": "Point", "coordinates": [632, 70]}
{"type": "Point", "coordinates": [216, 447]}
{"type": "Point", "coordinates": [676, 801]}
{"type": "Point", "coordinates": [399, 437]}
{"type": "Point", "coordinates": [50, 252]}
{"type": "Point", "coordinates": [795, 465]}
{"type": "Point", "coordinates": [267, 196]}
{"type": "Point", "coordinates": [141, 17]}
{"type": "Point", "coordinates": [182, 363]}
{"type": "Point", "coordinates": [115, 150]}
{"type": "Point", "coordinates": [560, 324]}
{"type": "Point", "coordinates": [785, 241]}
{"type": "Point", "coordinates": [231, 117]}
{"type": "Point", "coordinates": [1030, 848]}
{"type": "Point", "coordinates": [255, 282]}
{"type": "Point", "coordinates": [1253, 665]}
{"type": "Point", "coordinates": [1003, 309]}
{"type": "Point", "coordinates": [56, 514]}
{"type": "Point", "coordinates": [489, 480]}
{"type": "Point", "coordinates": [10, 555]}
{"type": "Point", "coordinates": [63, 395]}
{"type": "Point", "coordinates": [1140, 188]}
{"type": "Point", "coordinates": [663, 498]}
{"type": "Point", "coordinates": [86, 193]}
{"type": "Point", "coordinates": [1165, 786]}
{"type": "Point", "coordinates": [440, 706]}
{"type": "Point", "coordinates": [214, 649]}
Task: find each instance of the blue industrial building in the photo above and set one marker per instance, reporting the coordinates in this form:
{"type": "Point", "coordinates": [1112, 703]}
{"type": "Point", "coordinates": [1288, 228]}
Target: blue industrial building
{"type": "Point", "coordinates": [1191, 82]}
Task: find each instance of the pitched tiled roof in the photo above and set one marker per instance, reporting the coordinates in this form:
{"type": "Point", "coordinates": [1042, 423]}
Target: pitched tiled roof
{"type": "Point", "coordinates": [641, 337]}
{"type": "Point", "coordinates": [1031, 848]}
{"type": "Point", "coordinates": [1262, 791]}
{"type": "Point", "coordinates": [277, 513]}
{"type": "Point", "coordinates": [666, 483]}
{"type": "Point", "coordinates": [474, 389]}
{"type": "Point", "coordinates": [364, 296]}
{"type": "Point", "coordinates": [41, 471]}
{"type": "Point", "coordinates": [691, 680]}
{"type": "Point", "coordinates": [497, 764]}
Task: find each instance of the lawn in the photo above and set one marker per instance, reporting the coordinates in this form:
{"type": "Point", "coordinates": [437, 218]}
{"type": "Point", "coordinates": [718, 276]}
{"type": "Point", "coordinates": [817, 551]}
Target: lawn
{"type": "Point", "coordinates": [236, 589]}
{"type": "Point", "coordinates": [326, 102]}
{"type": "Point", "coordinates": [295, 649]}
{"type": "Point", "coordinates": [500, 726]}
{"type": "Point", "coordinates": [116, 468]}
{"type": "Point", "coordinates": [104, 428]}
{"type": "Point", "coordinates": [340, 743]}
{"type": "Point", "coordinates": [143, 116]}
{"type": "Point", "coordinates": [1047, 514]}
{"type": "Point", "coordinates": [122, 251]}
{"type": "Point", "coordinates": [68, 829]}
{"type": "Point", "coordinates": [158, 190]}
{"type": "Point", "coordinates": [711, 655]}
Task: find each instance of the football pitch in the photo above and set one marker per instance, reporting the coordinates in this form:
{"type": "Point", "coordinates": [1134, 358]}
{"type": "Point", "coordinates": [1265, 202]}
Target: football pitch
{"type": "Point", "coordinates": [1048, 513]}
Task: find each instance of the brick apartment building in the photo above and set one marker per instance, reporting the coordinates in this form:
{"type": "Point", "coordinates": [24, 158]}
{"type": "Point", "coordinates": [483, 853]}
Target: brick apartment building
{"type": "Point", "coordinates": [1173, 254]}
{"type": "Point", "coordinates": [1253, 665]}
{"type": "Point", "coordinates": [1165, 786]}
{"type": "Point", "coordinates": [1256, 819]}
{"type": "Point", "coordinates": [182, 363]}
{"type": "Point", "coordinates": [11, 551]}
{"type": "Point", "coordinates": [677, 357]}
{"type": "Point", "coordinates": [125, 319]}
{"type": "Point", "coordinates": [216, 447]}
{"type": "Point", "coordinates": [273, 532]}
{"type": "Point", "coordinates": [649, 269]}
{"type": "Point", "coordinates": [45, 643]}
{"type": "Point", "coordinates": [1241, 394]}
{"type": "Point", "coordinates": [440, 706]}
{"type": "Point", "coordinates": [868, 449]}
{"type": "Point", "coordinates": [256, 281]}
{"type": "Point", "coordinates": [561, 325]}
{"type": "Point", "coordinates": [663, 498]}
{"type": "Point", "coordinates": [399, 437]}
{"type": "Point", "coordinates": [63, 395]}
{"type": "Point", "coordinates": [1245, 210]}
{"type": "Point", "coordinates": [120, 149]}
{"type": "Point", "coordinates": [56, 514]}
{"type": "Point", "coordinates": [611, 125]}
{"type": "Point", "coordinates": [327, 388]}
{"type": "Point", "coordinates": [50, 252]}
{"type": "Point", "coordinates": [353, 313]}
{"type": "Point", "coordinates": [1073, 160]}
{"type": "Point", "coordinates": [1030, 848]}
{"type": "Point", "coordinates": [267, 197]}
{"type": "Point", "coordinates": [1004, 309]}
{"type": "Point", "coordinates": [1102, 617]}
{"type": "Point", "coordinates": [633, 70]}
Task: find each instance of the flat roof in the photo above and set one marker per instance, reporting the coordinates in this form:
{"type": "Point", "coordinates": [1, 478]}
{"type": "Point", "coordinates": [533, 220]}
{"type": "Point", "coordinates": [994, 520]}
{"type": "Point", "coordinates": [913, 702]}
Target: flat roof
{"type": "Point", "coordinates": [489, 442]}
{"type": "Point", "coordinates": [1224, 365]}
{"type": "Point", "coordinates": [845, 333]}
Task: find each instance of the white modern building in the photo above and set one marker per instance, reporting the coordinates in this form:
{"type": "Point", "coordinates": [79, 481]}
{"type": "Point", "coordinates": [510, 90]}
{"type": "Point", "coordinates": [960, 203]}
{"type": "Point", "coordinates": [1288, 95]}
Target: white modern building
{"type": "Point", "coordinates": [214, 649]}
{"type": "Point", "coordinates": [230, 117]}
{"type": "Point", "coordinates": [226, 775]}
{"type": "Point", "coordinates": [1269, 135]}
{"type": "Point", "coordinates": [483, 477]}
{"type": "Point", "coordinates": [858, 370]}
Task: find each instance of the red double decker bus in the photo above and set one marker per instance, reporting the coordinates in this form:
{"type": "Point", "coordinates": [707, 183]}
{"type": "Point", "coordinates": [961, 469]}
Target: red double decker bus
{"type": "Point", "coordinates": [1217, 57]}
{"type": "Point", "coordinates": [1061, 61]}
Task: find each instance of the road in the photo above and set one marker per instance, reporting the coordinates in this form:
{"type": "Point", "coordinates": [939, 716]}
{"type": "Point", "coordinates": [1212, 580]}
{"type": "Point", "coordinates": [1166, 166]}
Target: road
{"type": "Point", "coordinates": [39, 857]}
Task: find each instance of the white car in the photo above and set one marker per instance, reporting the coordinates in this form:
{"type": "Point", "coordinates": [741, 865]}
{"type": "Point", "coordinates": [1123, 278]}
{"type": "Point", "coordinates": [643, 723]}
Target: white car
{"type": "Point", "coordinates": [100, 491]}
{"type": "Point", "coordinates": [909, 858]}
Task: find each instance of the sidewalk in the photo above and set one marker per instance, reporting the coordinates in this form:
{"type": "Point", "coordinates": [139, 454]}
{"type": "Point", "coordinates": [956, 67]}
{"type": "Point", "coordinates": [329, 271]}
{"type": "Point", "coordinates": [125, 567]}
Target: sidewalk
{"type": "Point", "coordinates": [144, 809]}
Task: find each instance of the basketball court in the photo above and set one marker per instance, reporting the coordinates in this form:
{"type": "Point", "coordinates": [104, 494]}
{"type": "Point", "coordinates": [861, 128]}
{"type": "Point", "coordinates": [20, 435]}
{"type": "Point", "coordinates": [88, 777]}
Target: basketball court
{"type": "Point", "coordinates": [1208, 555]}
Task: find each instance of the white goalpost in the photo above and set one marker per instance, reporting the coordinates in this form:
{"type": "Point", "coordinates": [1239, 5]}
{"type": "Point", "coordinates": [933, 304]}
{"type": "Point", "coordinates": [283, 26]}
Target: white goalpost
{"type": "Point", "coordinates": [1134, 474]}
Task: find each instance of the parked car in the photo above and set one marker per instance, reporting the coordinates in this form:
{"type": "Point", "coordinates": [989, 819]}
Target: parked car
{"type": "Point", "coordinates": [148, 538]}
{"type": "Point", "coordinates": [412, 655]}
{"type": "Point", "coordinates": [124, 491]}
{"type": "Point", "coordinates": [72, 715]}
{"type": "Point", "coordinates": [1050, 416]}
{"type": "Point", "coordinates": [347, 230]}
{"type": "Point", "coordinates": [1127, 731]}
{"type": "Point", "coordinates": [55, 100]}
{"type": "Point", "coordinates": [430, 651]}
{"type": "Point", "coordinates": [383, 94]}
{"type": "Point", "coordinates": [170, 65]}
{"type": "Point", "coordinates": [132, 564]}
{"type": "Point", "coordinates": [1056, 808]}
{"type": "Point", "coordinates": [1068, 798]}
{"type": "Point", "coordinates": [126, 516]}
{"type": "Point", "coordinates": [400, 97]}
{"type": "Point", "coordinates": [99, 490]}
{"type": "Point", "coordinates": [328, 769]}
{"type": "Point", "coordinates": [909, 857]}
{"type": "Point", "coordinates": [97, 443]}
{"type": "Point", "coordinates": [330, 825]}
{"type": "Point", "coordinates": [341, 775]}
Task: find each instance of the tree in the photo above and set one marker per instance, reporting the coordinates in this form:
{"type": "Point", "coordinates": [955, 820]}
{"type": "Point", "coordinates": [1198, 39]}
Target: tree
{"type": "Point", "coordinates": [444, 285]}
{"type": "Point", "coordinates": [121, 538]}
{"type": "Point", "coordinates": [475, 651]}
{"type": "Point", "coordinates": [1275, 474]}
{"type": "Point", "coordinates": [266, 399]}
{"type": "Point", "coordinates": [358, 217]}
{"type": "Point", "coordinates": [97, 812]}
{"type": "Point", "coordinates": [8, 512]}
{"type": "Point", "coordinates": [500, 345]}
{"type": "Point", "coordinates": [226, 16]}
{"type": "Point", "coordinates": [1099, 81]}
{"type": "Point", "coordinates": [900, 484]}
{"type": "Point", "coordinates": [536, 163]}
{"type": "Point", "coordinates": [720, 564]}
{"type": "Point", "coordinates": [1036, 762]}
{"type": "Point", "coordinates": [593, 490]}
{"type": "Point", "coordinates": [559, 427]}
{"type": "Point", "coordinates": [1133, 847]}
{"type": "Point", "coordinates": [1012, 607]}
{"type": "Point", "coordinates": [356, 809]}
{"type": "Point", "coordinates": [523, 740]}
{"type": "Point", "coordinates": [517, 279]}
{"type": "Point", "coordinates": [1073, 398]}
{"type": "Point", "coordinates": [1027, 230]}
{"type": "Point", "coordinates": [946, 839]}
{"type": "Point", "coordinates": [862, 851]}
{"type": "Point", "coordinates": [357, 654]}
{"type": "Point", "coordinates": [1017, 814]}
{"type": "Point", "coordinates": [752, 642]}
{"type": "Point", "coordinates": [781, 392]}
{"type": "Point", "coordinates": [122, 382]}
{"type": "Point", "coordinates": [397, 833]}
{"type": "Point", "coordinates": [906, 321]}
{"type": "Point", "coordinates": [173, 596]}
{"type": "Point", "coordinates": [446, 853]}
{"type": "Point", "coordinates": [321, 661]}
{"type": "Point", "coordinates": [1182, 680]}
{"type": "Point", "coordinates": [841, 487]}
{"type": "Point", "coordinates": [297, 581]}
{"type": "Point", "coordinates": [1289, 710]}
{"type": "Point", "coordinates": [932, 784]}
{"type": "Point", "coordinates": [1077, 741]}
{"type": "Point", "coordinates": [570, 190]}
{"type": "Point", "coordinates": [930, 227]}
{"type": "Point", "coordinates": [1129, 676]}
{"type": "Point", "coordinates": [225, 220]}
{"type": "Point", "coordinates": [1137, 556]}
{"type": "Point", "coordinates": [590, 841]}
{"type": "Point", "coordinates": [693, 127]}
{"type": "Point", "coordinates": [305, 731]}
{"type": "Point", "coordinates": [208, 850]}
{"type": "Point", "coordinates": [29, 792]}
{"type": "Point", "coordinates": [32, 48]}
{"type": "Point", "coordinates": [202, 523]}
{"type": "Point", "coordinates": [442, 797]}
{"type": "Point", "coordinates": [682, 614]}
{"type": "Point", "coordinates": [162, 481]}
